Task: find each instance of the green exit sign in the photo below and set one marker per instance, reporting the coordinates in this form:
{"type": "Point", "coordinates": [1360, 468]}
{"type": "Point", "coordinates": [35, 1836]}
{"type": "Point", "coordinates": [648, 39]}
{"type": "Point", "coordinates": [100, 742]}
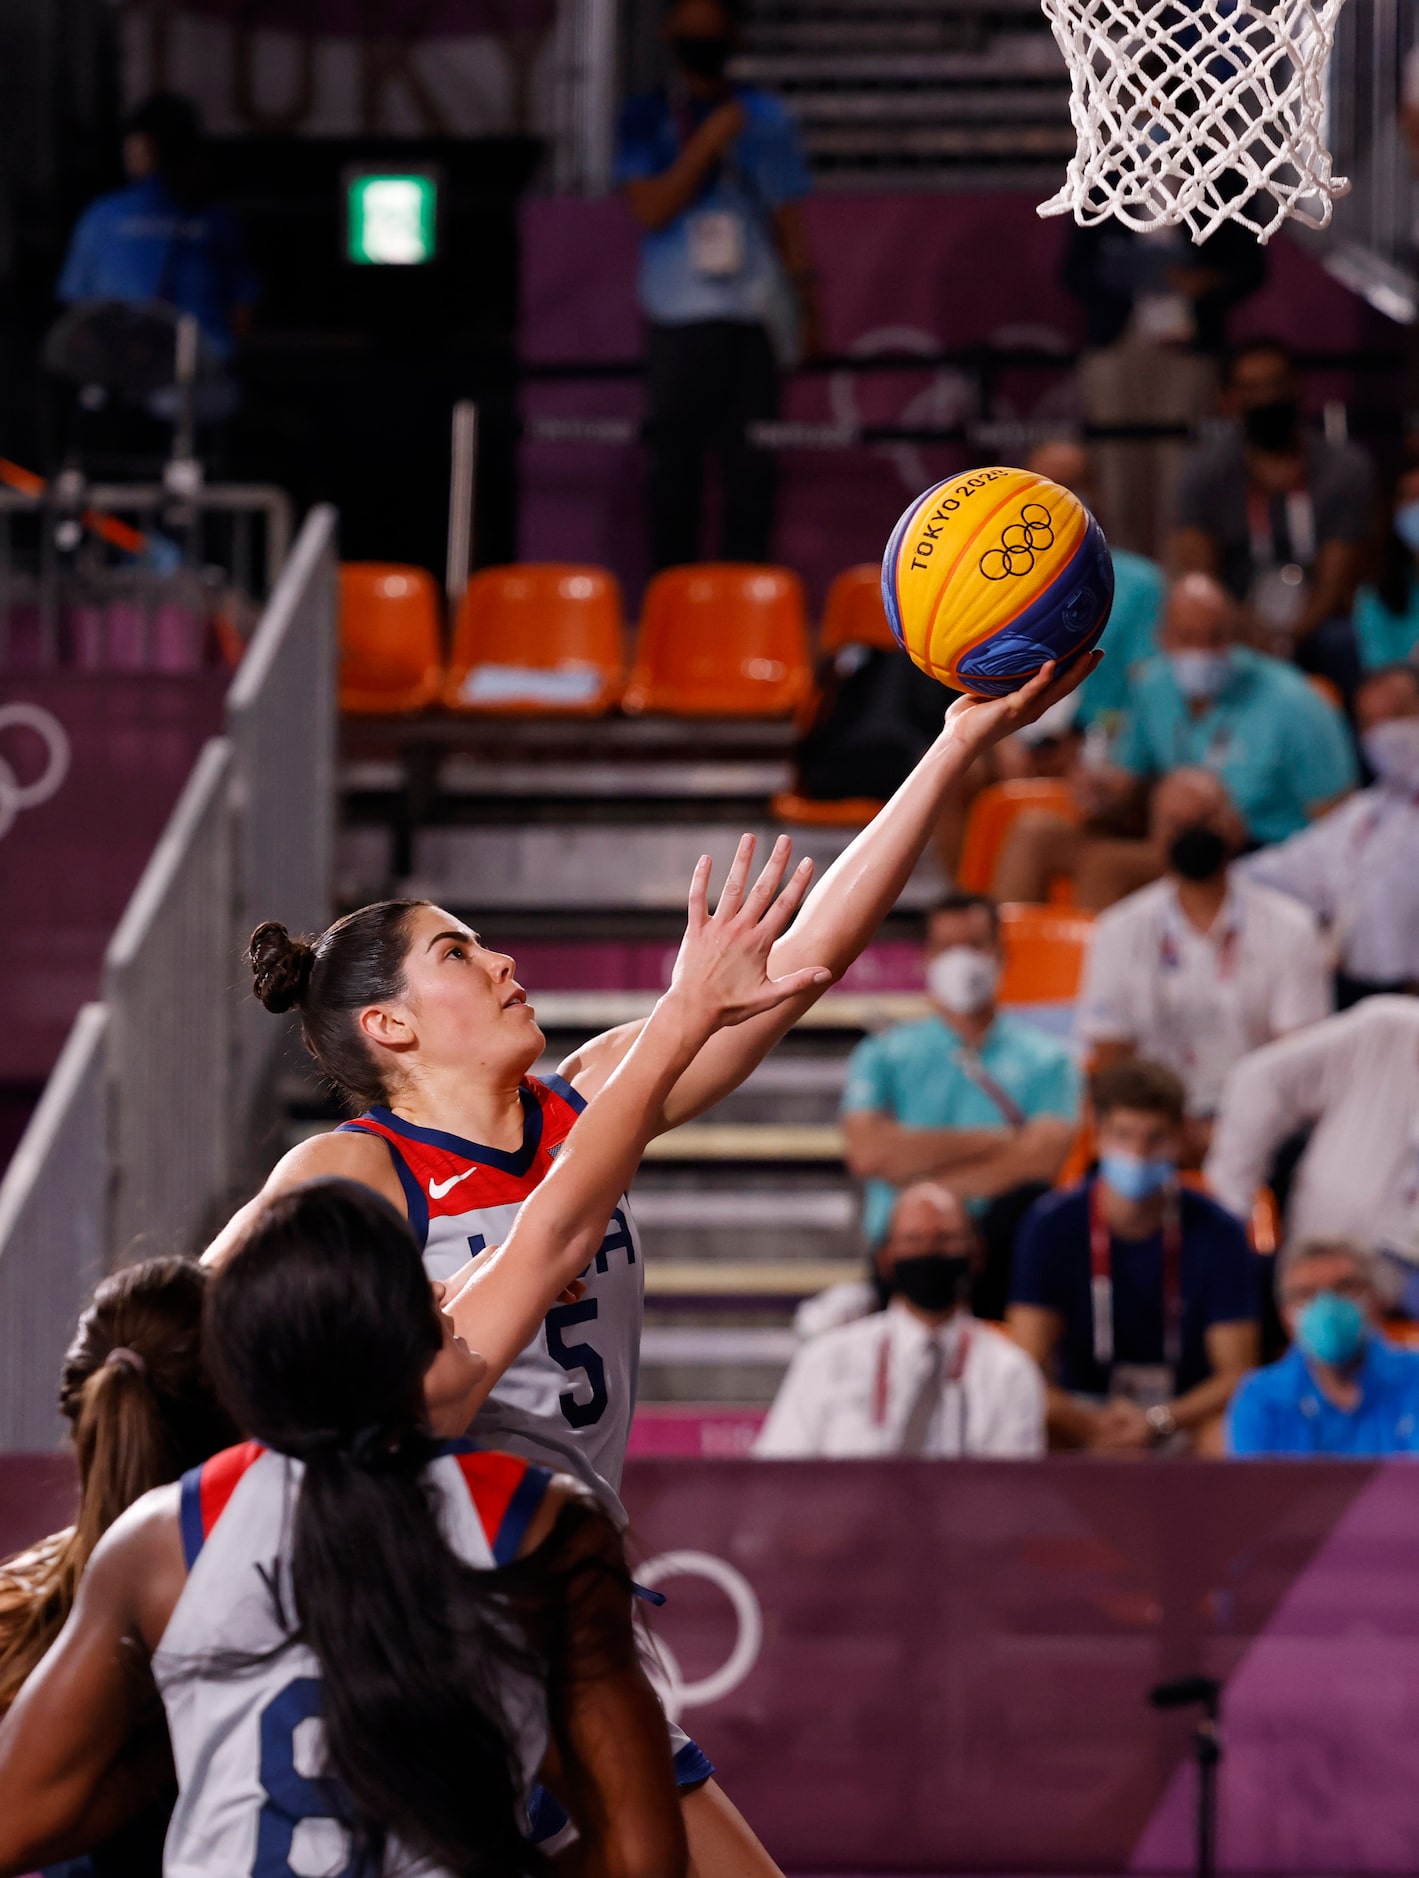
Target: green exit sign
{"type": "Point", "coordinates": [391, 218]}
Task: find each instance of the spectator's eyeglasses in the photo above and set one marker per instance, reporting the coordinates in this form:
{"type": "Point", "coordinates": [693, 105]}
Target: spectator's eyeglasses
{"type": "Point", "coordinates": [1297, 1296]}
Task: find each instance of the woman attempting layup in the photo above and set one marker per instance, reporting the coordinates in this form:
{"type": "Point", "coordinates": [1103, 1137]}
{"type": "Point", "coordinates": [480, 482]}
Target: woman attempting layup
{"type": "Point", "coordinates": [429, 1035]}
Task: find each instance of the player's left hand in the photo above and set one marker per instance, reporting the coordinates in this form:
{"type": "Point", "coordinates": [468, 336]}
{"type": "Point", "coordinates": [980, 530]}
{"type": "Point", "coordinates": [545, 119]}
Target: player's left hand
{"type": "Point", "coordinates": [723, 964]}
{"type": "Point", "coordinates": [976, 723]}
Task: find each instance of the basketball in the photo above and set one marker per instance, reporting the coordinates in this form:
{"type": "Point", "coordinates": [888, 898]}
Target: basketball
{"type": "Point", "coordinates": [992, 573]}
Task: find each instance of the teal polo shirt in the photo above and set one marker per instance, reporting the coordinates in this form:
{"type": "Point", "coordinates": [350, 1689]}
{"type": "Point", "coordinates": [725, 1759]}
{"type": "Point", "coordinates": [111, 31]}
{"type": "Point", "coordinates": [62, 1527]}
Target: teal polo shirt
{"type": "Point", "coordinates": [1280, 748]}
{"type": "Point", "coordinates": [1280, 1410]}
{"type": "Point", "coordinates": [913, 1073]}
{"type": "Point", "coordinates": [1385, 638]}
{"type": "Point", "coordinates": [1130, 638]}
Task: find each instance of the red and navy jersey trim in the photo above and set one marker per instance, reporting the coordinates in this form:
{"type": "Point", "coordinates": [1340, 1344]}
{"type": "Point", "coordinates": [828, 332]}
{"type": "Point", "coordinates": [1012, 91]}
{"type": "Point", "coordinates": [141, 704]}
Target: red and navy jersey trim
{"type": "Point", "coordinates": [506, 1493]}
{"type": "Point", "coordinates": [560, 1086]}
{"type": "Point", "coordinates": [206, 1491]}
{"type": "Point", "coordinates": [516, 1162]}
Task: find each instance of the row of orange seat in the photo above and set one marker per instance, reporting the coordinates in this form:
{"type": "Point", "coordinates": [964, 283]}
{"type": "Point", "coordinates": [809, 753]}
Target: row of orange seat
{"type": "Point", "coordinates": [719, 639]}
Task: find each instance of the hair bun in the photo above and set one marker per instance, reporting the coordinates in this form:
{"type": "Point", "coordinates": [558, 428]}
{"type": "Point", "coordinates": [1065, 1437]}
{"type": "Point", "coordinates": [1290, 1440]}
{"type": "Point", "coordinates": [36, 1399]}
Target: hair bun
{"type": "Point", "coordinates": [280, 966]}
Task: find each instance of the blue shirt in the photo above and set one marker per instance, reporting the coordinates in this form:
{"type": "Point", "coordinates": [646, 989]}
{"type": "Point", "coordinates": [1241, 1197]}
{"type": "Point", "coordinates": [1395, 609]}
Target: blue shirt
{"type": "Point", "coordinates": [140, 244]}
{"type": "Point", "coordinates": [1385, 638]}
{"type": "Point", "coordinates": [1280, 1410]}
{"type": "Point", "coordinates": [1220, 1280]}
{"type": "Point", "coordinates": [915, 1074]}
{"type": "Point", "coordinates": [1130, 638]}
{"type": "Point", "coordinates": [763, 169]}
{"type": "Point", "coordinates": [1280, 748]}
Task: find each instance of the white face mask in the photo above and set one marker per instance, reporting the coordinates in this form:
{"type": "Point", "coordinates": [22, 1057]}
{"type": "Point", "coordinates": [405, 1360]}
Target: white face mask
{"type": "Point", "coordinates": [1392, 751]}
{"type": "Point", "coordinates": [1201, 674]}
{"type": "Point", "coordinates": [963, 979]}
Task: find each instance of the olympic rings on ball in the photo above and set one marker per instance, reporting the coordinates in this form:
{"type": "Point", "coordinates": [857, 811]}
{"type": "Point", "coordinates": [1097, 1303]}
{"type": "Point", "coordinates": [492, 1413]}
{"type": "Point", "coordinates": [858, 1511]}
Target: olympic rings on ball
{"type": "Point", "coordinates": [1019, 543]}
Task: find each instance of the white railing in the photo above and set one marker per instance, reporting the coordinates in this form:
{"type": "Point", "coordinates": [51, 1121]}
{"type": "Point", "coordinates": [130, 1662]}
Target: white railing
{"type": "Point", "coordinates": [145, 1122]}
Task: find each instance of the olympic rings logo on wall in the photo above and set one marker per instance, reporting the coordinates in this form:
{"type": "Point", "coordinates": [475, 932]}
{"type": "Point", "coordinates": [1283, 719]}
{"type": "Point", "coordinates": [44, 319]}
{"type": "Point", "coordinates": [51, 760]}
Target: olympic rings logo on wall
{"type": "Point", "coordinates": [664, 1670]}
{"type": "Point", "coordinates": [15, 795]}
{"type": "Point", "coordinates": [1019, 543]}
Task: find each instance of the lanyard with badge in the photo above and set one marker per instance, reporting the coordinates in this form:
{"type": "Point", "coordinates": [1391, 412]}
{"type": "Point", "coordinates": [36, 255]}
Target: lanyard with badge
{"type": "Point", "coordinates": [718, 241]}
{"type": "Point", "coordinates": [1143, 1383]}
{"type": "Point", "coordinates": [952, 1376]}
{"type": "Point", "coordinates": [1278, 589]}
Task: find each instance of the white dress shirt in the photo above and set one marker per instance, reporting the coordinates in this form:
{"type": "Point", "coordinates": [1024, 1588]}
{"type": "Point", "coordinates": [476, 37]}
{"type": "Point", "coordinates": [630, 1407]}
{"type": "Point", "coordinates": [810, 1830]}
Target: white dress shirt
{"type": "Point", "coordinates": [1198, 1001]}
{"type": "Point", "coordinates": [1358, 870]}
{"type": "Point", "coordinates": [849, 1393]}
{"type": "Point", "coordinates": [1356, 1077]}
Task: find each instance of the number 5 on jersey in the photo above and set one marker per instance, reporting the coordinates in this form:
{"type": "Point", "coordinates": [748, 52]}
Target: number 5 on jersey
{"type": "Point", "coordinates": [577, 1356]}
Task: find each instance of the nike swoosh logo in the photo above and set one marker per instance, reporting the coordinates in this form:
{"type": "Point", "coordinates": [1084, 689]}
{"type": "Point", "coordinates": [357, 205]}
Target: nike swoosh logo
{"type": "Point", "coordinates": [438, 1188]}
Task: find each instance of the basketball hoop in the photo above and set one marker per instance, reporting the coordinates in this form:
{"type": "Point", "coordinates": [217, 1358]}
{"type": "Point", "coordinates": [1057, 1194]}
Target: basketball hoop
{"type": "Point", "coordinates": [1195, 112]}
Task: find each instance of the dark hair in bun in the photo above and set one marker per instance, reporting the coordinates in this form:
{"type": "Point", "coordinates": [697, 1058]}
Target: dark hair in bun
{"type": "Point", "coordinates": [280, 966]}
{"type": "Point", "coordinates": [357, 961]}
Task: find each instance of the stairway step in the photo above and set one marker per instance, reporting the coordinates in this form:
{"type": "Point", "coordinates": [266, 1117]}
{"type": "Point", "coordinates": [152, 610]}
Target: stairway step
{"type": "Point", "coordinates": [782, 1279]}
{"type": "Point", "coordinates": [1007, 58]}
{"type": "Point", "coordinates": [695, 1347]}
{"type": "Point", "coordinates": [889, 143]}
{"type": "Point", "coordinates": [588, 1012]}
{"type": "Point", "coordinates": [675, 1209]}
{"type": "Point", "coordinates": [700, 1141]}
{"type": "Point", "coordinates": [888, 112]}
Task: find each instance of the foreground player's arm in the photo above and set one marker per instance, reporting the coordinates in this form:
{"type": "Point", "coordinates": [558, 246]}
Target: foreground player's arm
{"type": "Point", "coordinates": [722, 977]}
{"type": "Point", "coordinates": [76, 1756]}
{"type": "Point", "coordinates": [336, 1155]}
{"type": "Point", "coordinates": [849, 903]}
{"type": "Point", "coordinates": [608, 1758]}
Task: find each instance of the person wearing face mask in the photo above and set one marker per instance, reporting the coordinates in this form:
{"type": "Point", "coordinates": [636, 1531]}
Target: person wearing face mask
{"type": "Point", "coordinates": [1279, 515]}
{"type": "Point", "coordinates": [1340, 1389]}
{"type": "Point", "coordinates": [1387, 611]}
{"type": "Point", "coordinates": [922, 1377]}
{"type": "Point", "coordinates": [970, 1096]}
{"type": "Point", "coordinates": [1204, 702]}
{"type": "Point", "coordinates": [1204, 964]}
{"type": "Point", "coordinates": [1357, 868]}
{"type": "Point", "coordinates": [1138, 1297]}
{"type": "Point", "coordinates": [714, 173]}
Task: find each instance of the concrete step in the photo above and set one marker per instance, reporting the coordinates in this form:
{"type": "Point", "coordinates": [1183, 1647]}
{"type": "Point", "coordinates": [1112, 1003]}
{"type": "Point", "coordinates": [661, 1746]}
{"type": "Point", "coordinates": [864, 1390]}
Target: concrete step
{"type": "Point", "coordinates": [888, 114]}
{"type": "Point", "coordinates": [705, 1141]}
{"type": "Point", "coordinates": [757, 1281]}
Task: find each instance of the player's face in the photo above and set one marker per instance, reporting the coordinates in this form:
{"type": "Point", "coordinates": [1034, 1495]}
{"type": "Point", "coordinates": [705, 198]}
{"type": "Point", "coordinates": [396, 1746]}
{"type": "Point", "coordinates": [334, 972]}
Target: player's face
{"type": "Point", "coordinates": [464, 1002]}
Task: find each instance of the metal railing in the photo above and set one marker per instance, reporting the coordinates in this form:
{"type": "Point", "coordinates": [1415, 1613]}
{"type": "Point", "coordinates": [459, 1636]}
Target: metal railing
{"type": "Point", "coordinates": [143, 1126]}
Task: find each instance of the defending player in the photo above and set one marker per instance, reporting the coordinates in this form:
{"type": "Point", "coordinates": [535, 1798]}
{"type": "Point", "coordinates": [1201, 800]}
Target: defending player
{"type": "Point", "coordinates": [438, 1678]}
{"type": "Point", "coordinates": [429, 1033]}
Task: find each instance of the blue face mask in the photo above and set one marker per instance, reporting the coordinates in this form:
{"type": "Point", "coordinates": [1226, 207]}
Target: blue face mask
{"type": "Point", "coordinates": [1133, 1178]}
{"type": "Point", "coordinates": [1332, 1329]}
{"type": "Point", "coordinates": [1406, 525]}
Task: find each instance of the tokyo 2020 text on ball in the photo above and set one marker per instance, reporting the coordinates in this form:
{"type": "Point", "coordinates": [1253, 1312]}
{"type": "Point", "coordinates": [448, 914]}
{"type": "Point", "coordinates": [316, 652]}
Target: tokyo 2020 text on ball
{"type": "Point", "coordinates": [992, 573]}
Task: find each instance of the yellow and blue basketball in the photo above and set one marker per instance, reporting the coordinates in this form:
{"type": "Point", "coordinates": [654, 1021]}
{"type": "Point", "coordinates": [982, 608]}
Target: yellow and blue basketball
{"type": "Point", "coordinates": [992, 573]}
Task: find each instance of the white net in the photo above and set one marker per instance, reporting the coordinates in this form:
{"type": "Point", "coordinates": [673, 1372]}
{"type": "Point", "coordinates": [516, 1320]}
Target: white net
{"type": "Point", "coordinates": [1194, 112]}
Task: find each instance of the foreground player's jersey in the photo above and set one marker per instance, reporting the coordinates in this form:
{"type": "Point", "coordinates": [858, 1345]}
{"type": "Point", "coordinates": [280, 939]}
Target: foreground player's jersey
{"type": "Point", "coordinates": [569, 1398]}
{"type": "Point", "coordinates": [247, 1747]}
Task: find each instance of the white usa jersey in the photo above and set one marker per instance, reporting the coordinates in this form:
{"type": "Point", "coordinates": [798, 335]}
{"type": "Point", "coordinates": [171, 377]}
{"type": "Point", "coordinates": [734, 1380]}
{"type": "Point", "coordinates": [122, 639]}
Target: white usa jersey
{"type": "Point", "coordinates": [569, 1398]}
{"type": "Point", "coordinates": [248, 1748]}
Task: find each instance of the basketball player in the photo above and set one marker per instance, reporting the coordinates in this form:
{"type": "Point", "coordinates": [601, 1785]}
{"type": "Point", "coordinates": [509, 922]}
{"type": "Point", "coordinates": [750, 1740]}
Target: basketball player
{"type": "Point", "coordinates": [429, 1034]}
{"type": "Point", "coordinates": [374, 1719]}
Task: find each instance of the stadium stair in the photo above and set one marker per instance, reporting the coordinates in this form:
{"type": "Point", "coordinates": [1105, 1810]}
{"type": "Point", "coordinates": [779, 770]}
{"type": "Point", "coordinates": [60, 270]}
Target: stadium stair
{"type": "Point", "coordinates": [917, 94]}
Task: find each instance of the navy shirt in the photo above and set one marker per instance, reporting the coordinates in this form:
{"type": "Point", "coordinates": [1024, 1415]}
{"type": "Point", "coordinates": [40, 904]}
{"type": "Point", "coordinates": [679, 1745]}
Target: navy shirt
{"type": "Point", "coordinates": [1280, 1410]}
{"type": "Point", "coordinates": [1221, 1284]}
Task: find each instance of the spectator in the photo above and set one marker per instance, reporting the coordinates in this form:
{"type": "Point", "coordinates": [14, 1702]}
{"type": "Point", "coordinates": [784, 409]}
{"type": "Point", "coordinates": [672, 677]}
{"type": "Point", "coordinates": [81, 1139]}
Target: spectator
{"type": "Point", "coordinates": [1387, 613]}
{"type": "Point", "coordinates": [1139, 1299]}
{"type": "Point", "coordinates": [159, 238]}
{"type": "Point", "coordinates": [969, 1096]}
{"type": "Point", "coordinates": [923, 1376]}
{"type": "Point", "coordinates": [1354, 1081]}
{"type": "Point", "coordinates": [1203, 965]}
{"type": "Point", "coordinates": [1156, 307]}
{"type": "Point", "coordinates": [1206, 702]}
{"type": "Point", "coordinates": [1358, 867]}
{"type": "Point", "coordinates": [714, 173]}
{"type": "Point", "coordinates": [1340, 1388]}
{"type": "Point", "coordinates": [1140, 588]}
{"type": "Point", "coordinates": [1279, 516]}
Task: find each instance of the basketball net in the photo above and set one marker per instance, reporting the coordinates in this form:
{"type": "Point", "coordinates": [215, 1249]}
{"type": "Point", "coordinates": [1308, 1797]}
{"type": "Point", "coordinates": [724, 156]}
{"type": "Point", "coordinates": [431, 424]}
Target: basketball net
{"type": "Point", "coordinates": [1196, 112]}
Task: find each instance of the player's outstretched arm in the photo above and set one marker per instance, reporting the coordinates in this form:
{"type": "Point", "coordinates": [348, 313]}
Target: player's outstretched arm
{"type": "Point", "coordinates": [852, 899]}
{"type": "Point", "coordinates": [723, 977]}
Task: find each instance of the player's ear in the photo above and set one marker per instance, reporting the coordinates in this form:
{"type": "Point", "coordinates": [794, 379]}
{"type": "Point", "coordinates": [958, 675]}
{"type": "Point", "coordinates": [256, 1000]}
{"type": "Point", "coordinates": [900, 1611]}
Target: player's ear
{"type": "Point", "coordinates": [386, 1028]}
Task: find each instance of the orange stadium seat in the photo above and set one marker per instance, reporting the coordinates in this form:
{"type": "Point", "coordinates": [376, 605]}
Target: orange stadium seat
{"type": "Point", "coordinates": [391, 656]}
{"type": "Point", "coordinates": [1044, 953]}
{"type": "Point", "coordinates": [848, 812]}
{"type": "Point", "coordinates": [547, 638]}
{"type": "Point", "coordinates": [993, 814]}
{"type": "Point", "coordinates": [725, 639]}
{"type": "Point", "coordinates": [853, 614]}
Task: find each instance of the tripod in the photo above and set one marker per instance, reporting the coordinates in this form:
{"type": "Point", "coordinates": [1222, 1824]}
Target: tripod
{"type": "Point", "coordinates": [1182, 1692]}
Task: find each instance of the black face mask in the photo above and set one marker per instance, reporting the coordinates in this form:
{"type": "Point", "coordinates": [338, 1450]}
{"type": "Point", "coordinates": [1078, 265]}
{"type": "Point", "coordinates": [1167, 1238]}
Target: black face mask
{"type": "Point", "coordinates": [933, 1282]}
{"type": "Point", "coordinates": [703, 55]}
{"type": "Point", "coordinates": [1273, 426]}
{"type": "Point", "coordinates": [1198, 853]}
